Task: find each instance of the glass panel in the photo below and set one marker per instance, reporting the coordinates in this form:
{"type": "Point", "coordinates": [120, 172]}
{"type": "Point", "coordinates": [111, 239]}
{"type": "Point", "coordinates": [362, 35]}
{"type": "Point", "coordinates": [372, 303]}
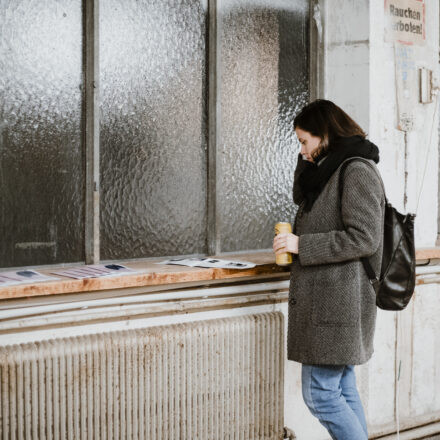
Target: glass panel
{"type": "Point", "coordinates": [264, 83]}
{"type": "Point", "coordinates": [153, 128]}
{"type": "Point", "coordinates": [41, 163]}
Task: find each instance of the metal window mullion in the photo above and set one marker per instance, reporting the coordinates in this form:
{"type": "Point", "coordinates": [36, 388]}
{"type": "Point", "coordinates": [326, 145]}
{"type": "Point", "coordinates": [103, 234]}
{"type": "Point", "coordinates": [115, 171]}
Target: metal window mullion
{"type": "Point", "coordinates": [91, 131]}
{"type": "Point", "coordinates": [317, 54]}
{"type": "Point", "coordinates": [214, 174]}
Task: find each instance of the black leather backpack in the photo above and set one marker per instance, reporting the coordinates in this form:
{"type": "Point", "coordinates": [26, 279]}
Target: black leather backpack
{"type": "Point", "coordinates": [396, 282]}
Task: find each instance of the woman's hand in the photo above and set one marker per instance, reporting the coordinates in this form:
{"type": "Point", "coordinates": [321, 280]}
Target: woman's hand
{"type": "Point", "coordinates": [285, 242]}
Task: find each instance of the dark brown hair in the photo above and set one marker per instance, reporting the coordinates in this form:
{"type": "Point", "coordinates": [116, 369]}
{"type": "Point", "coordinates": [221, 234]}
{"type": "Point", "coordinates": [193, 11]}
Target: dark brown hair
{"type": "Point", "coordinates": [326, 120]}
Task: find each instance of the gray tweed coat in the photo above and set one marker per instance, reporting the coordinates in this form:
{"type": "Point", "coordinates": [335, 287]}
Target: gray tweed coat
{"type": "Point", "coordinates": [332, 309]}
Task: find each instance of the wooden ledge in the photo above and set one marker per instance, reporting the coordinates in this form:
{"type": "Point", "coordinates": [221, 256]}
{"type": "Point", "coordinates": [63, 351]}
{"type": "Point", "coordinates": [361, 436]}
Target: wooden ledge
{"type": "Point", "coordinates": [152, 275]}
{"type": "Point", "coordinates": [431, 253]}
{"type": "Point", "coordinates": [156, 274]}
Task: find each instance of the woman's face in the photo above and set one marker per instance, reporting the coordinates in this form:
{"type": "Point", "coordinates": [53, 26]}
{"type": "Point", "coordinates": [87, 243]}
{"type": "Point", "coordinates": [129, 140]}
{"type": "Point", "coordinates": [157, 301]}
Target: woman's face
{"type": "Point", "coordinates": [308, 143]}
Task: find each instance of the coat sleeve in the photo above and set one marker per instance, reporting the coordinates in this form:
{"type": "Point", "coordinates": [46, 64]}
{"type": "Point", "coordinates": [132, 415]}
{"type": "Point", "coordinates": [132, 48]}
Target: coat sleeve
{"type": "Point", "coordinates": [362, 207]}
{"type": "Point", "coordinates": [297, 193]}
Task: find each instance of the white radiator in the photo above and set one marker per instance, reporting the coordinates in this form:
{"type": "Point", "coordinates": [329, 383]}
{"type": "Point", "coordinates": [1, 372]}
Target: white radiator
{"type": "Point", "coordinates": [213, 379]}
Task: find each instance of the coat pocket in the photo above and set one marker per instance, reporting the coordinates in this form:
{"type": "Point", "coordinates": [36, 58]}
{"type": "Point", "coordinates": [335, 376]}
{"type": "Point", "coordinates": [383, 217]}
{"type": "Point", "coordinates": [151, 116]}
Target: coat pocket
{"type": "Point", "coordinates": [335, 304]}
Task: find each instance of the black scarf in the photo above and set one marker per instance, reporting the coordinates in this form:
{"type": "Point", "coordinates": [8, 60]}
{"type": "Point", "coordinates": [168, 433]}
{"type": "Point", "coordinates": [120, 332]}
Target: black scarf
{"type": "Point", "coordinates": [314, 177]}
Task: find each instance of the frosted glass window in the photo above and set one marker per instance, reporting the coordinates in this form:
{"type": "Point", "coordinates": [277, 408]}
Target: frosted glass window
{"type": "Point", "coordinates": [41, 164]}
{"type": "Point", "coordinates": [153, 128]}
{"type": "Point", "coordinates": [264, 83]}
{"type": "Point", "coordinates": [153, 87]}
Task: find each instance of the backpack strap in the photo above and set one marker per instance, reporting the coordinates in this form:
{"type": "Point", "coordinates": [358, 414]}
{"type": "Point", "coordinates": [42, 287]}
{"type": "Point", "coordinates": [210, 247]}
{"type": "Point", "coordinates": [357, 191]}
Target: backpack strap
{"type": "Point", "coordinates": [350, 159]}
{"type": "Point", "coordinates": [370, 272]}
{"type": "Point", "coordinates": [365, 261]}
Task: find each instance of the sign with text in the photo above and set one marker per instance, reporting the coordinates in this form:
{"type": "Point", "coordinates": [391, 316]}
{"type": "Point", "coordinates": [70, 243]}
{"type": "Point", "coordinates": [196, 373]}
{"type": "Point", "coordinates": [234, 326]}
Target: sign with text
{"type": "Point", "coordinates": [405, 21]}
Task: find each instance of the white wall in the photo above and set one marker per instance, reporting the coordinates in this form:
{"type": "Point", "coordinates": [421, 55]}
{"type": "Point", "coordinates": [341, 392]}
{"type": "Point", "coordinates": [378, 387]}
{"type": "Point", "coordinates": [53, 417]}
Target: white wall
{"type": "Point", "coordinates": [360, 78]}
{"type": "Point", "coordinates": [383, 118]}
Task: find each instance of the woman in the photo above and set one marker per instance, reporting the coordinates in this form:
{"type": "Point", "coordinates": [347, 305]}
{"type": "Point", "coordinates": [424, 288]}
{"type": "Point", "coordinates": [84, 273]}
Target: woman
{"type": "Point", "coordinates": [332, 305]}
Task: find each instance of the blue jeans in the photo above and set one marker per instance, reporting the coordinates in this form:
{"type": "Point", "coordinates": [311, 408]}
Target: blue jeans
{"type": "Point", "coordinates": [330, 393]}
